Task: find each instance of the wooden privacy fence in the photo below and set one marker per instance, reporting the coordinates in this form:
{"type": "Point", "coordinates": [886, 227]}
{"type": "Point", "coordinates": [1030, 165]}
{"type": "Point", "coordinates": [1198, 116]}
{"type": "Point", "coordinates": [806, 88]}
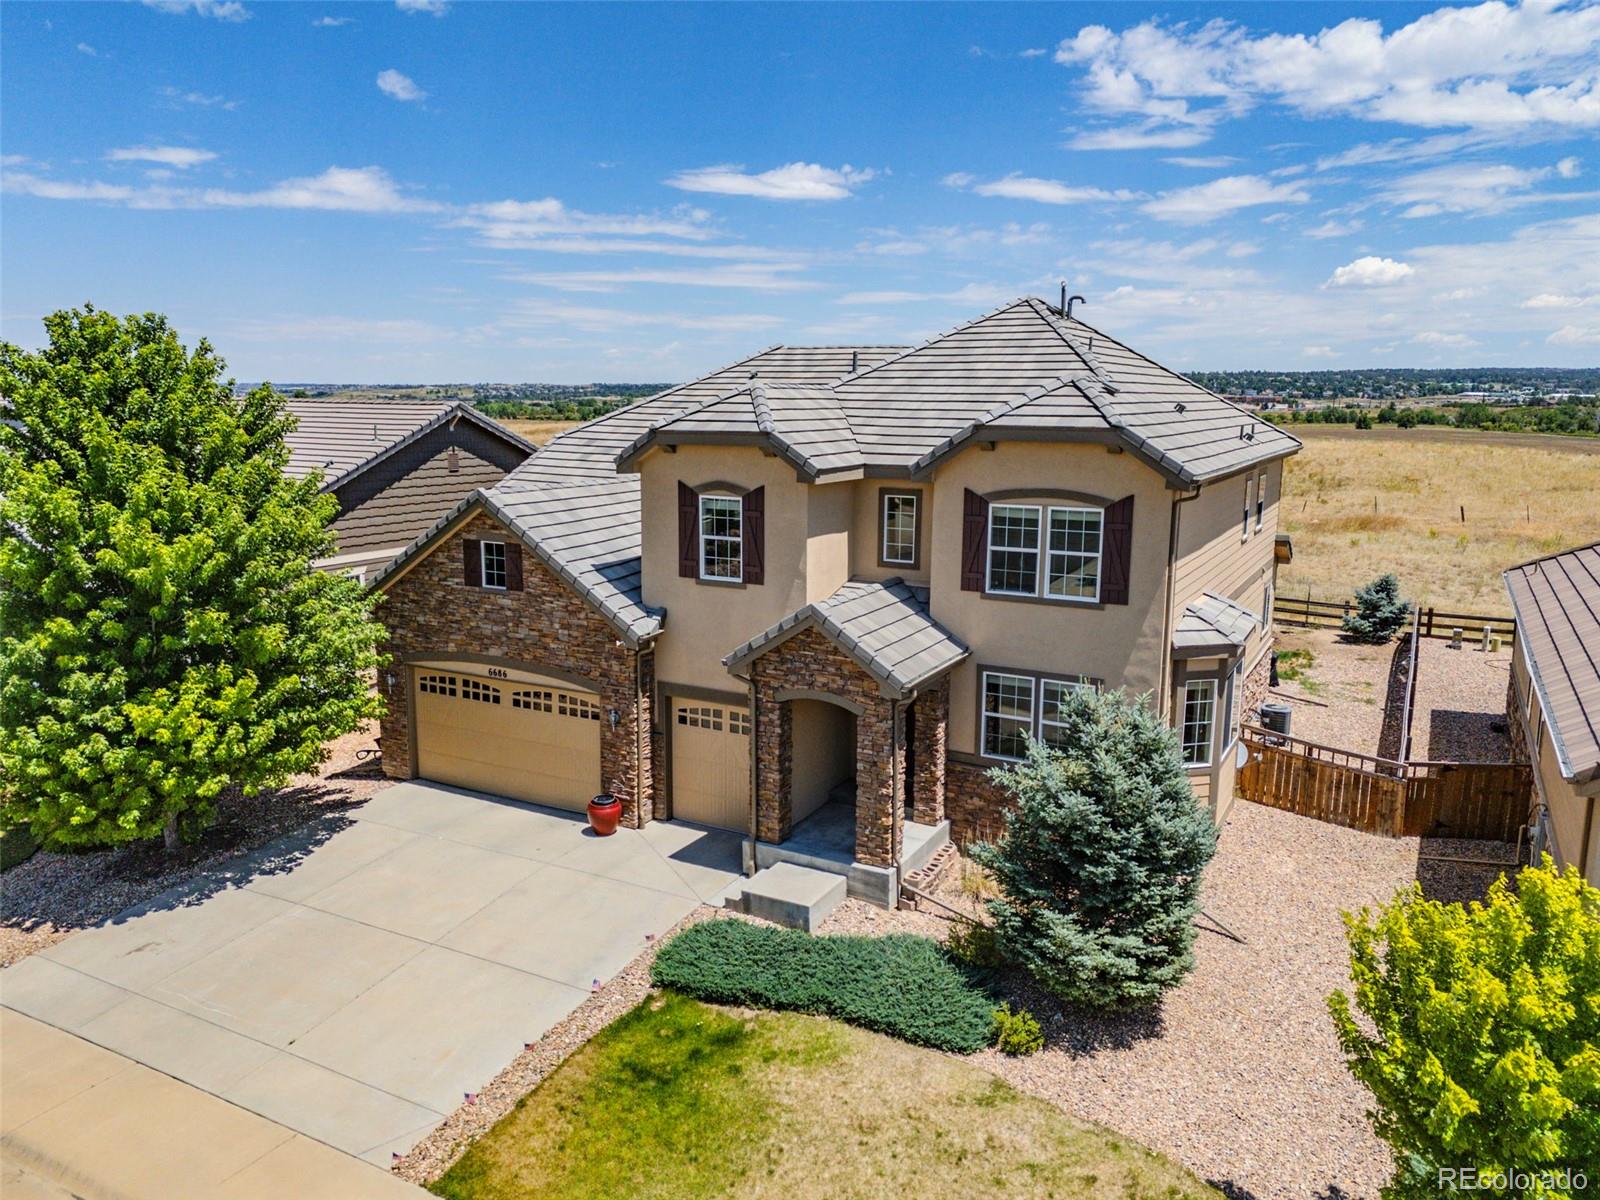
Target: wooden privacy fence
{"type": "Point", "coordinates": [1430, 622]}
{"type": "Point", "coordinates": [1487, 801]}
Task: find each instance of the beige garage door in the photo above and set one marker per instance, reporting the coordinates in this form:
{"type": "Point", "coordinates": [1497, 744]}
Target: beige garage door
{"type": "Point", "coordinates": [526, 741]}
{"type": "Point", "coordinates": [711, 764]}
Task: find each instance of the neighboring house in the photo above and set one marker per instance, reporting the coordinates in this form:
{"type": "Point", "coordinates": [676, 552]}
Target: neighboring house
{"type": "Point", "coordinates": [395, 466]}
{"type": "Point", "coordinates": [1553, 701]}
{"type": "Point", "coordinates": [828, 589]}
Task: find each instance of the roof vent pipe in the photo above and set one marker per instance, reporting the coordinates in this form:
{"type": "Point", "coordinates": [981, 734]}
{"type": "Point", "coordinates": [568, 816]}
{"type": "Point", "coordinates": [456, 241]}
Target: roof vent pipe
{"type": "Point", "coordinates": [855, 357]}
{"type": "Point", "coordinates": [1070, 303]}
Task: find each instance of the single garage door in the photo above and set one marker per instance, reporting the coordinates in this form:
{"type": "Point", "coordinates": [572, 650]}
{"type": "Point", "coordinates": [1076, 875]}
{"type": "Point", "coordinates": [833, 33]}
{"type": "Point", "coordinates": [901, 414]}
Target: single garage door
{"type": "Point", "coordinates": [711, 763]}
{"type": "Point", "coordinates": [528, 741]}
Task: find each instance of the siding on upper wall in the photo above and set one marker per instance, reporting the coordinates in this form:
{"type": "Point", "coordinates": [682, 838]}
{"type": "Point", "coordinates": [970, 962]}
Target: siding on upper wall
{"type": "Point", "coordinates": [1569, 811]}
{"type": "Point", "coordinates": [401, 497]}
{"type": "Point", "coordinates": [1214, 557]}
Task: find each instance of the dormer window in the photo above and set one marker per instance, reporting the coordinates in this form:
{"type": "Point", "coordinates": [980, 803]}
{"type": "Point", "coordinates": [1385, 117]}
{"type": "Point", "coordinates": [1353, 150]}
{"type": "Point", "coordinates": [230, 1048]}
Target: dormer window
{"type": "Point", "coordinates": [721, 539]}
{"type": "Point", "coordinates": [899, 529]}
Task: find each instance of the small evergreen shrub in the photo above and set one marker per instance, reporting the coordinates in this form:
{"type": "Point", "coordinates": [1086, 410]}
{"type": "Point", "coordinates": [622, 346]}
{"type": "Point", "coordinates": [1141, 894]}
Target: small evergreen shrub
{"type": "Point", "coordinates": [901, 984]}
{"type": "Point", "coordinates": [1380, 612]}
{"type": "Point", "coordinates": [975, 946]}
{"type": "Point", "coordinates": [1017, 1033]}
{"type": "Point", "coordinates": [1099, 862]}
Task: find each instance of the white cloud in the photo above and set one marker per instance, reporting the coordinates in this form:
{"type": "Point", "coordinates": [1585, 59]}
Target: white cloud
{"type": "Point", "coordinates": [198, 99]}
{"type": "Point", "coordinates": [1147, 136]}
{"type": "Point", "coordinates": [1476, 188]}
{"type": "Point", "coordinates": [972, 295]}
{"type": "Point", "coordinates": [23, 183]}
{"type": "Point", "coordinates": [1371, 271]}
{"type": "Point", "coordinates": [1432, 337]}
{"type": "Point", "coordinates": [1208, 201]}
{"type": "Point", "coordinates": [221, 10]}
{"type": "Point", "coordinates": [1575, 335]}
{"type": "Point", "coordinates": [1208, 161]}
{"type": "Point", "coordinates": [1033, 52]}
{"type": "Point", "coordinates": [958, 179]}
{"type": "Point", "coordinates": [1319, 352]}
{"type": "Point", "coordinates": [1553, 300]}
{"type": "Point", "coordinates": [1017, 186]}
{"type": "Point", "coordinates": [332, 22]}
{"type": "Point", "coordinates": [1335, 229]}
{"type": "Point", "coordinates": [1493, 67]}
{"type": "Point", "coordinates": [85, 48]}
{"type": "Point", "coordinates": [338, 189]}
{"type": "Point", "coordinates": [436, 8]}
{"type": "Point", "coordinates": [334, 328]}
{"type": "Point", "coordinates": [590, 319]}
{"type": "Point", "coordinates": [792, 181]}
{"type": "Point", "coordinates": [400, 87]}
{"type": "Point", "coordinates": [1568, 168]}
{"type": "Point", "coordinates": [536, 224]}
{"type": "Point", "coordinates": [181, 157]}
{"type": "Point", "coordinates": [760, 277]}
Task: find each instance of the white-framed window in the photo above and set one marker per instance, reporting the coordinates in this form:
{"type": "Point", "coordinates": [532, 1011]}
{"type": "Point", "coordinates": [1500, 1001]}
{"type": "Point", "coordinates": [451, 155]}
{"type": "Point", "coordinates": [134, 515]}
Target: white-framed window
{"type": "Point", "coordinates": [1261, 500]}
{"type": "Point", "coordinates": [900, 528]}
{"type": "Point", "coordinates": [1053, 697]}
{"type": "Point", "coordinates": [493, 557]}
{"type": "Point", "coordinates": [721, 538]}
{"type": "Point", "coordinates": [1199, 721]}
{"type": "Point", "coordinates": [1014, 549]}
{"type": "Point", "coordinates": [1073, 569]}
{"type": "Point", "coordinates": [1266, 605]}
{"type": "Point", "coordinates": [1073, 540]}
{"type": "Point", "coordinates": [1249, 503]}
{"type": "Point", "coordinates": [1007, 714]}
{"type": "Point", "coordinates": [1235, 716]}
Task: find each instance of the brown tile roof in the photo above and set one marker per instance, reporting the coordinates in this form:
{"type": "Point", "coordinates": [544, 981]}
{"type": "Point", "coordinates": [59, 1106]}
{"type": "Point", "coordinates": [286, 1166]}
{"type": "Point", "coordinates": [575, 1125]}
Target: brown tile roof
{"type": "Point", "coordinates": [343, 438]}
{"type": "Point", "coordinates": [1557, 605]}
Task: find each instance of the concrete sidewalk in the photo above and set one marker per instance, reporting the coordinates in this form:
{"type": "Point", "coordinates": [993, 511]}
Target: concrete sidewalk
{"type": "Point", "coordinates": [79, 1120]}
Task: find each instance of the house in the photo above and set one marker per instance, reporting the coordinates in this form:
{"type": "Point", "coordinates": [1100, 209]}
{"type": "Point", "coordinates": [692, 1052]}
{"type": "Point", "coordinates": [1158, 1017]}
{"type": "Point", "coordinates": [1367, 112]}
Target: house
{"type": "Point", "coordinates": [817, 595]}
{"type": "Point", "coordinates": [395, 466]}
{"type": "Point", "coordinates": [1553, 699]}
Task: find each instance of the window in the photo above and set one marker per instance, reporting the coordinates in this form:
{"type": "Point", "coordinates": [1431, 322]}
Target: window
{"type": "Point", "coordinates": [437, 685]}
{"type": "Point", "coordinates": [534, 699]}
{"type": "Point", "coordinates": [1007, 714]}
{"type": "Point", "coordinates": [471, 689]}
{"type": "Point", "coordinates": [739, 721]}
{"type": "Point", "coordinates": [1053, 697]}
{"type": "Point", "coordinates": [698, 716]}
{"type": "Point", "coordinates": [576, 706]}
{"type": "Point", "coordinates": [899, 529]}
{"type": "Point", "coordinates": [1199, 717]}
{"type": "Point", "coordinates": [1073, 571]}
{"type": "Point", "coordinates": [1261, 499]}
{"type": "Point", "coordinates": [1014, 549]}
{"type": "Point", "coordinates": [1249, 502]}
{"type": "Point", "coordinates": [494, 564]}
{"type": "Point", "coordinates": [1266, 606]}
{"type": "Point", "coordinates": [721, 538]}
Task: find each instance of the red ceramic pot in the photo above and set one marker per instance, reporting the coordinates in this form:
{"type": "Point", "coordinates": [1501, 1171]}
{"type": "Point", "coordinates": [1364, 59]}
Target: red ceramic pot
{"type": "Point", "coordinates": [604, 813]}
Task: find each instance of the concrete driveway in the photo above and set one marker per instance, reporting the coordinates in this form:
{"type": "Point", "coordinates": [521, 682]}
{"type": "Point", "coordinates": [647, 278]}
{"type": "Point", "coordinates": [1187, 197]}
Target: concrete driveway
{"type": "Point", "coordinates": [352, 982]}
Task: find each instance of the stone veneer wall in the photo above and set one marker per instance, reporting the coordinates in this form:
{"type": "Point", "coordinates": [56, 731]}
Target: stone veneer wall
{"type": "Point", "coordinates": [930, 723]}
{"type": "Point", "coordinates": [810, 661]}
{"type": "Point", "coordinates": [1518, 735]}
{"type": "Point", "coordinates": [431, 611]}
{"type": "Point", "coordinates": [1257, 681]}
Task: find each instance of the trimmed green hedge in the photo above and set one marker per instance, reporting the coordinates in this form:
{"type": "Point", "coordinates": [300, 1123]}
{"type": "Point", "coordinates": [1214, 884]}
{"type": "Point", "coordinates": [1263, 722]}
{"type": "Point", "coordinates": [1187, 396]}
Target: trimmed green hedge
{"type": "Point", "coordinates": [901, 984]}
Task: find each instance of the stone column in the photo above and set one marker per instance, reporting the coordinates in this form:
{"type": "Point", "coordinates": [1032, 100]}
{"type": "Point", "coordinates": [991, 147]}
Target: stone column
{"type": "Point", "coordinates": [931, 719]}
{"type": "Point", "coordinates": [880, 775]}
{"type": "Point", "coordinates": [774, 765]}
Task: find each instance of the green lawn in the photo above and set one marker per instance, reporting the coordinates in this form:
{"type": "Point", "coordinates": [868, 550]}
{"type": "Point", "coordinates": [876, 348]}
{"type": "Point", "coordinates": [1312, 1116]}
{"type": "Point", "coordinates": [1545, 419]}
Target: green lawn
{"type": "Point", "coordinates": [679, 1100]}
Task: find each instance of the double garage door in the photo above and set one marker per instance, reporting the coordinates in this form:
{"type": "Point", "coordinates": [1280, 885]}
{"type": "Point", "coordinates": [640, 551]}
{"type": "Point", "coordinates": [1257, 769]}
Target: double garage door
{"type": "Point", "coordinates": [530, 741]}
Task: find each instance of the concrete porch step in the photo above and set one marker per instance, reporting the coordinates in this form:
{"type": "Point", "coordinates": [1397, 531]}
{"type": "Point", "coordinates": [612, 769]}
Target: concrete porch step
{"type": "Point", "coordinates": [786, 894]}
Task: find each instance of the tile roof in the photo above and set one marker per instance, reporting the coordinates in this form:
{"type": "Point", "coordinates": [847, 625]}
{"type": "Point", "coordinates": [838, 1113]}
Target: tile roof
{"type": "Point", "coordinates": [1213, 624]}
{"type": "Point", "coordinates": [344, 438]}
{"type": "Point", "coordinates": [1557, 605]}
{"type": "Point", "coordinates": [1022, 371]}
{"type": "Point", "coordinates": [884, 627]}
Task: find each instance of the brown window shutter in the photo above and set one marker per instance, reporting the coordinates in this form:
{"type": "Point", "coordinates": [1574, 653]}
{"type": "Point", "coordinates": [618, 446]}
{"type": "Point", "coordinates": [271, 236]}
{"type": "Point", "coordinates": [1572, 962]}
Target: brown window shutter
{"type": "Point", "coordinates": [472, 561]}
{"type": "Point", "coordinates": [513, 567]}
{"type": "Point", "coordinates": [974, 541]}
{"type": "Point", "coordinates": [688, 531]}
{"type": "Point", "coordinates": [1117, 552]}
{"type": "Point", "coordinates": [755, 535]}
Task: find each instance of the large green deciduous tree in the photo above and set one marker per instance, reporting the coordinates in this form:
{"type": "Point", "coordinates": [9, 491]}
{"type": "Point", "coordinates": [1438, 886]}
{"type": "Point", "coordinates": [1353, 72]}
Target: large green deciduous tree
{"type": "Point", "coordinates": [1100, 860]}
{"type": "Point", "coordinates": [162, 635]}
{"type": "Point", "coordinates": [1477, 1030]}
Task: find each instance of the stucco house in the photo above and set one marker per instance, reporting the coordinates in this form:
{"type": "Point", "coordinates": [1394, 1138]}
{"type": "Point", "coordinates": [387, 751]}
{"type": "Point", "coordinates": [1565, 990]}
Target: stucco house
{"type": "Point", "coordinates": [395, 466]}
{"type": "Point", "coordinates": [815, 596]}
{"type": "Point", "coordinates": [1553, 699]}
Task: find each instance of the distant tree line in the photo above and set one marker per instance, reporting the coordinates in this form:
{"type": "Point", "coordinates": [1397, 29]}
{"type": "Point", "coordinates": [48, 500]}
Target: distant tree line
{"type": "Point", "coordinates": [1573, 417]}
{"type": "Point", "coordinates": [1400, 383]}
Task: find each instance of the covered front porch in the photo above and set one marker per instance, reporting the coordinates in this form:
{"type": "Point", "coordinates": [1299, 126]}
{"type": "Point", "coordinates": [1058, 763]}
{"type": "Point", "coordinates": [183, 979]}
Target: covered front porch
{"type": "Point", "coordinates": [851, 708]}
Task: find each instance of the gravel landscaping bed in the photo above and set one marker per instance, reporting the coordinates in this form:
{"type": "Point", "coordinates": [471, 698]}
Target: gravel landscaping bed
{"type": "Point", "coordinates": [1340, 700]}
{"type": "Point", "coordinates": [1237, 1075]}
{"type": "Point", "coordinates": [52, 896]}
{"type": "Point", "coordinates": [1460, 713]}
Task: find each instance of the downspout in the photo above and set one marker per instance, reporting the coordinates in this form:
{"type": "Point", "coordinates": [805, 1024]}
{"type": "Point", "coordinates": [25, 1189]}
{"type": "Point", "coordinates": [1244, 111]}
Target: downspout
{"type": "Point", "coordinates": [1170, 617]}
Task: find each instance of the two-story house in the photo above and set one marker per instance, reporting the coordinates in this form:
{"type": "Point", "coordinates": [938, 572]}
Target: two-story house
{"type": "Point", "coordinates": [819, 594]}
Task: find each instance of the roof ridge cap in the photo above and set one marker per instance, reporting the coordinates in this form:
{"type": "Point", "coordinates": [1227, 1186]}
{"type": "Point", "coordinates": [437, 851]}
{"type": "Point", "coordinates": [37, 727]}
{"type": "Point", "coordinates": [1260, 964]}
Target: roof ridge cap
{"type": "Point", "coordinates": [1086, 353]}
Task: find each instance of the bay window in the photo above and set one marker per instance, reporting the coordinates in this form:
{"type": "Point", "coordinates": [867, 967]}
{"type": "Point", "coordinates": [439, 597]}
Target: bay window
{"type": "Point", "coordinates": [1199, 721]}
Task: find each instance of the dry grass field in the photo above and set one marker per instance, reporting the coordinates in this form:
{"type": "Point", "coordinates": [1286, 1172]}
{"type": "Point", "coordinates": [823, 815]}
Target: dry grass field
{"type": "Point", "coordinates": [538, 432]}
{"type": "Point", "coordinates": [1359, 503]}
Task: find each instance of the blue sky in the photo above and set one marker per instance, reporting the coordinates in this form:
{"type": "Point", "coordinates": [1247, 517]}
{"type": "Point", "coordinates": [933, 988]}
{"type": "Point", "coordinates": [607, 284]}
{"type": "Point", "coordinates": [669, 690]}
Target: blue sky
{"type": "Point", "coordinates": [433, 191]}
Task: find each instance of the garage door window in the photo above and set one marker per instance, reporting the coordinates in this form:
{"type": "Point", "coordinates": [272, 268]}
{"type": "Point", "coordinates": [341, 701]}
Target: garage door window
{"type": "Point", "coordinates": [536, 699]}
{"type": "Point", "coordinates": [576, 706]}
{"type": "Point", "coordinates": [701, 717]}
{"type": "Point", "coordinates": [438, 685]}
{"type": "Point", "coordinates": [738, 722]}
{"type": "Point", "coordinates": [471, 689]}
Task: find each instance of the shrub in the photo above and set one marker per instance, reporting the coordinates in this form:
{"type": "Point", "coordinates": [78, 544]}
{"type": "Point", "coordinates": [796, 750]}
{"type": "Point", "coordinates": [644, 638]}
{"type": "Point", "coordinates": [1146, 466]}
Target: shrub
{"type": "Point", "coordinates": [901, 984]}
{"type": "Point", "coordinates": [1017, 1033]}
{"type": "Point", "coordinates": [1380, 612]}
{"type": "Point", "coordinates": [975, 946]}
{"type": "Point", "coordinates": [1480, 1041]}
{"type": "Point", "coordinates": [1099, 862]}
